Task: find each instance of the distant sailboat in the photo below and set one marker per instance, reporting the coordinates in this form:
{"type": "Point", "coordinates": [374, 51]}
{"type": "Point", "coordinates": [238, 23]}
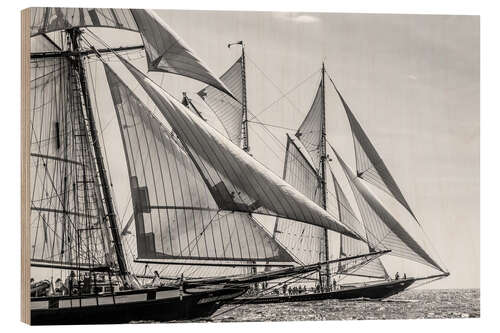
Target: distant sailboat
{"type": "Point", "coordinates": [191, 206]}
{"type": "Point", "coordinates": [306, 164]}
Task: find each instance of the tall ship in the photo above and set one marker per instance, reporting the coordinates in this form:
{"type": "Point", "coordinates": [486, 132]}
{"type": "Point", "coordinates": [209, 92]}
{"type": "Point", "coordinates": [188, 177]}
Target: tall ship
{"type": "Point", "coordinates": [193, 191]}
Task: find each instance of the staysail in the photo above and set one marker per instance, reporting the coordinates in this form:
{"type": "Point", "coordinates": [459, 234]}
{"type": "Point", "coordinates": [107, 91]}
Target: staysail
{"type": "Point", "coordinates": [369, 164]}
{"type": "Point", "coordinates": [305, 241]}
{"type": "Point", "coordinates": [67, 221]}
{"type": "Point", "coordinates": [222, 163]}
{"type": "Point", "coordinates": [174, 212]}
{"type": "Point", "coordinates": [165, 50]}
{"type": "Point", "coordinates": [351, 247]}
{"type": "Point", "coordinates": [382, 229]}
{"type": "Point", "coordinates": [228, 110]}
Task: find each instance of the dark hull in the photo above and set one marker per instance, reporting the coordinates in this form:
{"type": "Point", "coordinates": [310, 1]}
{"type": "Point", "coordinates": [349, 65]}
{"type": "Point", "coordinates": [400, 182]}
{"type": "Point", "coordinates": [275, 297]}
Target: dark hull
{"type": "Point", "coordinates": [194, 304]}
{"type": "Point", "coordinates": [372, 291]}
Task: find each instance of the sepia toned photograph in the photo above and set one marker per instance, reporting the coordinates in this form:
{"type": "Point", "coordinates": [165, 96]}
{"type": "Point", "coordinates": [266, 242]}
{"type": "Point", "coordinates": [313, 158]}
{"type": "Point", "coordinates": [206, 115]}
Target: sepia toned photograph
{"type": "Point", "coordinates": [223, 166]}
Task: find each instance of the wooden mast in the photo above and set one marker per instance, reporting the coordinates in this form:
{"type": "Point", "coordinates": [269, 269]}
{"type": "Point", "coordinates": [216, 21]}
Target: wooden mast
{"type": "Point", "coordinates": [75, 34]}
{"type": "Point", "coordinates": [323, 176]}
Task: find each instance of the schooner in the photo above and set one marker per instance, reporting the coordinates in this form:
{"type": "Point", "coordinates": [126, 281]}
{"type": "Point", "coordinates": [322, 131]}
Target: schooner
{"type": "Point", "coordinates": [191, 204]}
{"type": "Point", "coordinates": [310, 169]}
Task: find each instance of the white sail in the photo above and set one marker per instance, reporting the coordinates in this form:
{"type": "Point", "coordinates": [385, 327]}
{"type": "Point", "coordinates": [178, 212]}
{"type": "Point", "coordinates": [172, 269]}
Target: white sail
{"type": "Point", "coordinates": [228, 110]}
{"type": "Point", "coordinates": [222, 163]}
{"type": "Point", "coordinates": [167, 52]}
{"type": "Point", "coordinates": [305, 241]}
{"type": "Point", "coordinates": [369, 164]}
{"type": "Point", "coordinates": [382, 229]}
{"type": "Point", "coordinates": [352, 247]}
{"type": "Point", "coordinates": [174, 212]}
{"type": "Point", "coordinates": [309, 132]}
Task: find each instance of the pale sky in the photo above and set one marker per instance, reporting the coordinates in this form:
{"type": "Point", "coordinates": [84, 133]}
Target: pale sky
{"type": "Point", "coordinates": [411, 80]}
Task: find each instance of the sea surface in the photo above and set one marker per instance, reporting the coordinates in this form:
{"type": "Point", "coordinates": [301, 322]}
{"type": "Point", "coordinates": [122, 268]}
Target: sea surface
{"type": "Point", "coordinates": [412, 304]}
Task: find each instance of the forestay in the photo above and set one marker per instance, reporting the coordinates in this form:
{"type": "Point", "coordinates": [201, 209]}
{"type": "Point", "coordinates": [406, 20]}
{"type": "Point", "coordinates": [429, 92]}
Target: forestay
{"type": "Point", "coordinates": [67, 223]}
{"type": "Point", "coordinates": [382, 229]}
{"type": "Point", "coordinates": [222, 165]}
{"type": "Point", "coordinates": [175, 214]}
{"type": "Point", "coordinates": [228, 110]}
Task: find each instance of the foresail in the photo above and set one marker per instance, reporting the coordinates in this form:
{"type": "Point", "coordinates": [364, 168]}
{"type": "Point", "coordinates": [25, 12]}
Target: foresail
{"type": "Point", "coordinates": [167, 52]}
{"type": "Point", "coordinates": [175, 214]}
{"type": "Point", "coordinates": [228, 110]}
{"type": "Point", "coordinates": [305, 241]}
{"type": "Point", "coordinates": [45, 20]}
{"type": "Point", "coordinates": [309, 132]}
{"type": "Point", "coordinates": [382, 229]}
{"type": "Point", "coordinates": [236, 180]}
{"type": "Point", "coordinates": [67, 224]}
{"type": "Point", "coordinates": [352, 247]}
{"type": "Point", "coordinates": [369, 164]}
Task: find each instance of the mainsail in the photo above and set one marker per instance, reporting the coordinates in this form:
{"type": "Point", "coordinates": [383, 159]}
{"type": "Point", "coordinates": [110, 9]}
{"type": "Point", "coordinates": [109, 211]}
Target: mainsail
{"type": "Point", "coordinates": [67, 223]}
{"type": "Point", "coordinates": [228, 110]}
{"type": "Point", "coordinates": [382, 229]}
{"type": "Point", "coordinates": [174, 212]}
{"type": "Point", "coordinates": [369, 164]}
{"type": "Point", "coordinates": [221, 163]}
{"type": "Point", "coordinates": [165, 50]}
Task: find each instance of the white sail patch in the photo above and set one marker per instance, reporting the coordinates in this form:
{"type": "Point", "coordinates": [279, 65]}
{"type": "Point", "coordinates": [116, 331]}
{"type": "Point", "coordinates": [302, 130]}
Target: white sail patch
{"type": "Point", "coordinates": [167, 52]}
{"type": "Point", "coordinates": [369, 164]}
{"type": "Point", "coordinates": [382, 229]}
{"type": "Point", "coordinates": [228, 110]}
{"type": "Point", "coordinates": [309, 132]}
{"type": "Point", "coordinates": [352, 247]}
{"type": "Point", "coordinates": [305, 241]}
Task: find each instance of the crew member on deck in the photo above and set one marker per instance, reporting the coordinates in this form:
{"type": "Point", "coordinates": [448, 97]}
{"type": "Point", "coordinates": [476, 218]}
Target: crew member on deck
{"type": "Point", "coordinates": [396, 277]}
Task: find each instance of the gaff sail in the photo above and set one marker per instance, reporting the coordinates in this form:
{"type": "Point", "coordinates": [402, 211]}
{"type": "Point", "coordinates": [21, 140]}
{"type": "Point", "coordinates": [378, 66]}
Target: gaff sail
{"type": "Point", "coordinates": [228, 110]}
{"type": "Point", "coordinates": [174, 212]}
{"type": "Point", "coordinates": [67, 223]}
{"type": "Point", "coordinates": [165, 50]}
{"type": "Point", "coordinates": [222, 163]}
{"type": "Point", "coordinates": [382, 229]}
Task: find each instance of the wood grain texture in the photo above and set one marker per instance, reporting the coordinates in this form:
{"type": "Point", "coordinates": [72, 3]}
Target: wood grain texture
{"type": "Point", "coordinates": [25, 170]}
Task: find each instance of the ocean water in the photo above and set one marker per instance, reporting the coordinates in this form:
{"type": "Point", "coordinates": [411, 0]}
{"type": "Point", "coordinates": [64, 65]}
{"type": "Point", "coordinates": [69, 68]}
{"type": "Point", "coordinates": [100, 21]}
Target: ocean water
{"type": "Point", "coordinates": [412, 304]}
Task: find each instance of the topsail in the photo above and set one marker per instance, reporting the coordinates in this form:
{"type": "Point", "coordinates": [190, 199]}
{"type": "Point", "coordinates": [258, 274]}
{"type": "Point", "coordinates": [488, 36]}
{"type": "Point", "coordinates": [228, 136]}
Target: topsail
{"type": "Point", "coordinates": [174, 212]}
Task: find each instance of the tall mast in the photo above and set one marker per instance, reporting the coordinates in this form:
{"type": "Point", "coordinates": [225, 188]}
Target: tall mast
{"type": "Point", "coordinates": [244, 122]}
{"type": "Point", "coordinates": [75, 34]}
{"type": "Point", "coordinates": [323, 176]}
